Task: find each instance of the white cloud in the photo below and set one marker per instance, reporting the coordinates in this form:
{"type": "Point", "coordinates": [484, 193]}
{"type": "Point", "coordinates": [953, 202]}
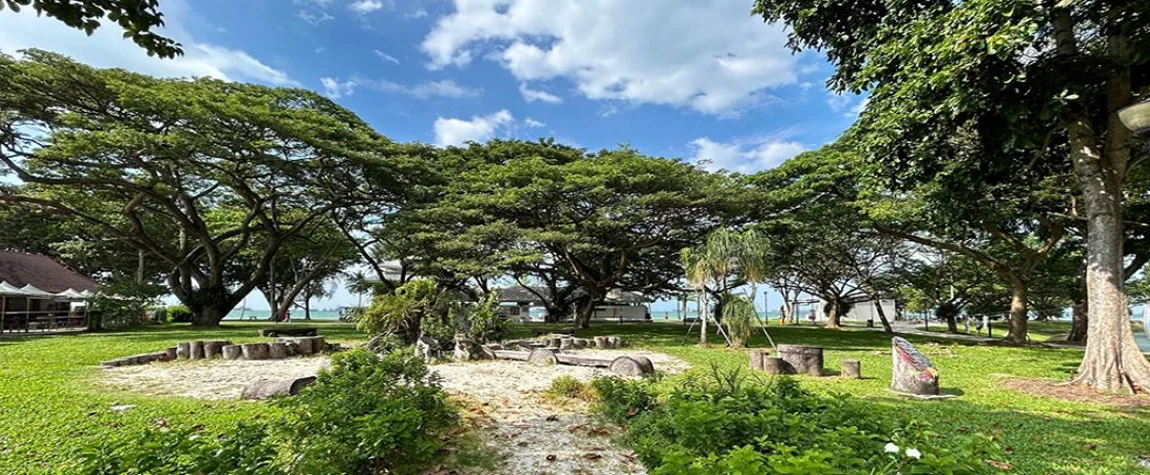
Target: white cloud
{"type": "Point", "coordinates": [713, 57]}
{"type": "Point", "coordinates": [314, 18]}
{"type": "Point", "coordinates": [447, 88]}
{"type": "Point", "coordinates": [451, 131]}
{"type": "Point", "coordinates": [849, 106]}
{"type": "Point", "coordinates": [106, 48]}
{"type": "Point", "coordinates": [385, 56]}
{"type": "Point", "coordinates": [743, 157]}
{"type": "Point", "coordinates": [532, 123]}
{"type": "Point", "coordinates": [532, 95]}
{"type": "Point", "coordinates": [366, 6]}
{"type": "Point", "coordinates": [420, 13]}
{"type": "Point", "coordinates": [335, 88]}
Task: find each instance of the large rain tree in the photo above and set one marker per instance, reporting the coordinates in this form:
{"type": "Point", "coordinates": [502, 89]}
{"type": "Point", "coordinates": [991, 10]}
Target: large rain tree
{"type": "Point", "coordinates": [613, 220]}
{"type": "Point", "coordinates": [193, 173]}
{"type": "Point", "coordinates": [1046, 76]}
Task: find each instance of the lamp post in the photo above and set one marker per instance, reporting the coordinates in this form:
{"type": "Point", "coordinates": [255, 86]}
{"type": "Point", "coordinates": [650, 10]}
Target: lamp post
{"type": "Point", "coordinates": [1136, 117]}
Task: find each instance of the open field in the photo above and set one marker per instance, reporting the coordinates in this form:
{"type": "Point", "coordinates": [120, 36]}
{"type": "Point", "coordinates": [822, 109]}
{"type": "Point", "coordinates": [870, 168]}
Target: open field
{"type": "Point", "coordinates": [52, 406]}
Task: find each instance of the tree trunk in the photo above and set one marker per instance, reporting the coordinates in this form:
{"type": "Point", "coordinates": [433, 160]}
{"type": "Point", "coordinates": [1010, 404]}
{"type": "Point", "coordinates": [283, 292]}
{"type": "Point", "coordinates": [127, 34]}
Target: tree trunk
{"type": "Point", "coordinates": [882, 316]}
{"type": "Point", "coordinates": [555, 313]}
{"type": "Point", "coordinates": [951, 323]}
{"type": "Point", "coordinates": [210, 314]}
{"type": "Point", "coordinates": [703, 318]}
{"type": "Point", "coordinates": [307, 308]}
{"type": "Point", "coordinates": [586, 311]}
{"type": "Point", "coordinates": [833, 316]}
{"type": "Point", "coordinates": [1112, 361]}
{"type": "Point", "coordinates": [1079, 317]}
{"type": "Point", "coordinates": [1018, 311]}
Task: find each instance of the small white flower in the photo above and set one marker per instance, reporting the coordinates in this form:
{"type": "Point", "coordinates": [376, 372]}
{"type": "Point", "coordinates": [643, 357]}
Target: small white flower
{"type": "Point", "coordinates": [890, 448]}
{"type": "Point", "coordinates": [913, 453]}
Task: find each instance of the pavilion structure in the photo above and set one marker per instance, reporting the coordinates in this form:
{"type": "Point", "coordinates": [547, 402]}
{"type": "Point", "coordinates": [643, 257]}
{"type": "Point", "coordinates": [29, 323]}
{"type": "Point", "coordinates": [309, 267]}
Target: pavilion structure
{"type": "Point", "coordinates": [40, 294]}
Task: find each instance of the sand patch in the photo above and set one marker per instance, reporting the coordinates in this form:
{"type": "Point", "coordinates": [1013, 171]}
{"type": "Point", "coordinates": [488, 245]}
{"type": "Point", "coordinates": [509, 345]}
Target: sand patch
{"type": "Point", "coordinates": [208, 379]}
{"type": "Point", "coordinates": [535, 435]}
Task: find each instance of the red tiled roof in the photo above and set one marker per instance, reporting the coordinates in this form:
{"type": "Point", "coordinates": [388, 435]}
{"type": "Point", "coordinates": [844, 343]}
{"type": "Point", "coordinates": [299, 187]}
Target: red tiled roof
{"type": "Point", "coordinates": [44, 273]}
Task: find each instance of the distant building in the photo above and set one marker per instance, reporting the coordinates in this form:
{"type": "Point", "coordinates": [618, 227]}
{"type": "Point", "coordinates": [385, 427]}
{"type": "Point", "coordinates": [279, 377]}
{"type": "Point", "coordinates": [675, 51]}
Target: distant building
{"type": "Point", "coordinates": [521, 304]}
{"type": "Point", "coordinates": [37, 293]}
{"type": "Point", "coordinates": [863, 311]}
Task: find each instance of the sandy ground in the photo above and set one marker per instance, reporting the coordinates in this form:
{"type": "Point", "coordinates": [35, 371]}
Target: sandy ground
{"type": "Point", "coordinates": [505, 400]}
{"type": "Point", "coordinates": [208, 379]}
{"type": "Point", "coordinates": [535, 435]}
{"type": "Point", "coordinates": [1075, 393]}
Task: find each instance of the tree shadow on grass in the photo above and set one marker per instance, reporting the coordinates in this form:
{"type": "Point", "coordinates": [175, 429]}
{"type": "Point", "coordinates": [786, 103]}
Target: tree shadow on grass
{"type": "Point", "coordinates": [1038, 443]}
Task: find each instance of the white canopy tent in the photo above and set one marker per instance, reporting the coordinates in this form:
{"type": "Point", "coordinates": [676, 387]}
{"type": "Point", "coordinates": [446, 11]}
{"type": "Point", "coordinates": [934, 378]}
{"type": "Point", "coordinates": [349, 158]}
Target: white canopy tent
{"type": "Point", "coordinates": [29, 292]}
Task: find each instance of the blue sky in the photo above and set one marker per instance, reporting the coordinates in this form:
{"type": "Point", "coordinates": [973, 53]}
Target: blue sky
{"type": "Point", "coordinates": [701, 81]}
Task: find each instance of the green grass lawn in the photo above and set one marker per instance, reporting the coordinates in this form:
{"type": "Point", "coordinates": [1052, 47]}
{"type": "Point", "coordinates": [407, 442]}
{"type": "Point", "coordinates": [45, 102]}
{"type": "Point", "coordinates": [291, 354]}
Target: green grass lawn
{"type": "Point", "coordinates": [50, 407]}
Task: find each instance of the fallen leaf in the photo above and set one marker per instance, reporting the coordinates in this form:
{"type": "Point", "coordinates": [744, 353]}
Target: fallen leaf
{"type": "Point", "coordinates": [592, 456]}
{"type": "Point", "coordinates": [999, 465]}
{"type": "Point", "coordinates": [600, 431]}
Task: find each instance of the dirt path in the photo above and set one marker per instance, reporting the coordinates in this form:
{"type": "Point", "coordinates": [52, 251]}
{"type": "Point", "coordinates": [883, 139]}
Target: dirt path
{"type": "Point", "coordinates": [534, 434]}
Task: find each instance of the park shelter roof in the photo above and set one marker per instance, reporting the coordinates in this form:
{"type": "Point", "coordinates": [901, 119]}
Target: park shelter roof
{"type": "Point", "coordinates": [42, 273]}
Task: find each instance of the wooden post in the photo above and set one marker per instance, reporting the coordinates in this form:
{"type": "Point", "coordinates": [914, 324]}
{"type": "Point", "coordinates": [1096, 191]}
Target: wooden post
{"type": "Point", "coordinates": [184, 350]}
{"type": "Point", "coordinates": [757, 359]}
{"type": "Point", "coordinates": [852, 369]}
{"type": "Point", "coordinates": [542, 357]}
{"type": "Point", "coordinates": [233, 352]}
{"type": "Point", "coordinates": [256, 351]}
{"type": "Point", "coordinates": [283, 387]}
{"type": "Point", "coordinates": [213, 349]}
{"type": "Point", "coordinates": [197, 350]}
{"type": "Point", "coordinates": [277, 351]}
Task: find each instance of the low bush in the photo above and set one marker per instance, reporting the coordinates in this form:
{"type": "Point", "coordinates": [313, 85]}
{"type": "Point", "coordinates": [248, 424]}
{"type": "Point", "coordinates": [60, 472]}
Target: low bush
{"type": "Point", "coordinates": [181, 451]}
{"type": "Point", "coordinates": [366, 415]}
{"type": "Point", "coordinates": [179, 314]}
{"type": "Point", "coordinates": [723, 423]}
{"type": "Point", "coordinates": [484, 325]}
{"type": "Point", "coordinates": [569, 387]}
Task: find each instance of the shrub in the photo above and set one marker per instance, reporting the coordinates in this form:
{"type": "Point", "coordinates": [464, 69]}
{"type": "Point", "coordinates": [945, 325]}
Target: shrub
{"type": "Point", "coordinates": [740, 316]}
{"type": "Point", "coordinates": [180, 451]}
{"type": "Point", "coordinates": [402, 312]}
{"type": "Point", "coordinates": [569, 387]}
{"type": "Point", "coordinates": [723, 423]}
{"type": "Point", "coordinates": [619, 399]}
{"type": "Point", "coordinates": [484, 323]}
{"type": "Point", "coordinates": [179, 314]}
{"type": "Point", "coordinates": [367, 415]}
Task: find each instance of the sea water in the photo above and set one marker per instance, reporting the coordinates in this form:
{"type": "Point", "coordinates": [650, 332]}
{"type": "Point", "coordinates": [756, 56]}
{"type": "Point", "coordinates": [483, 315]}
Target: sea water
{"type": "Point", "coordinates": [296, 315]}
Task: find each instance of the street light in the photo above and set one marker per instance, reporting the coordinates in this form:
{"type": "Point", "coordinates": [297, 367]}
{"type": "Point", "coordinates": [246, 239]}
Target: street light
{"type": "Point", "coordinates": [1136, 117]}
